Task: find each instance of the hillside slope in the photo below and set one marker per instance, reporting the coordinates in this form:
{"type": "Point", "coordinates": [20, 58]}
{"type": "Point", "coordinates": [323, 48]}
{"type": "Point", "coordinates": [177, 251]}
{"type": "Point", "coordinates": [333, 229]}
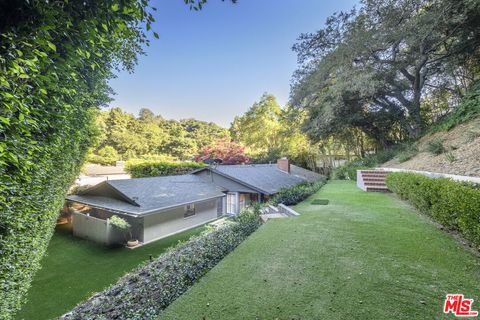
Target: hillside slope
{"type": "Point", "coordinates": [461, 155]}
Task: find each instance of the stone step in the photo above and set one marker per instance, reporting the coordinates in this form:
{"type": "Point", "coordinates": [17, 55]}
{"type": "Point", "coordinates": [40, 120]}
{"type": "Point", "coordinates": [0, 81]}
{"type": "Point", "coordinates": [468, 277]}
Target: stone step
{"type": "Point", "coordinates": [374, 174]}
{"type": "Point", "coordinates": [375, 184]}
{"type": "Point", "coordinates": [374, 179]}
{"type": "Point", "coordinates": [375, 171]}
{"type": "Point", "coordinates": [376, 189]}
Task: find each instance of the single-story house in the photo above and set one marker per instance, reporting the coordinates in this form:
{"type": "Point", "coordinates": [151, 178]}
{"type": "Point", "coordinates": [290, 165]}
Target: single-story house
{"type": "Point", "coordinates": [256, 182]}
{"type": "Point", "coordinates": [161, 206]}
{"type": "Point", "coordinates": [154, 207]}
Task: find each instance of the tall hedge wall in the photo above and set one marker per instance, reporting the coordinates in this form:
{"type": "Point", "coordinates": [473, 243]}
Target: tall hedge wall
{"type": "Point", "coordinates": [55, 60]}
{"type": "Point", "coordinates": [455, 205]}
{"type": "Point", "coordinates": [147, 168]}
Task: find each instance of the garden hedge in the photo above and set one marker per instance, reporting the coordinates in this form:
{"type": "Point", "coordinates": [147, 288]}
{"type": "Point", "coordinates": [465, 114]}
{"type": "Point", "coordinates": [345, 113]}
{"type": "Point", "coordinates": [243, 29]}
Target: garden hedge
{"type": "Point", "coordinates": [455, 205]}
{"type": "Point", "coordinates": [293, 195]}
{"type": "Point", "coordinates": [144, 292]}
{"type": "Point", "coordinates": [147, 168]}
{"type": "Point", "coordinates": [56, 58]}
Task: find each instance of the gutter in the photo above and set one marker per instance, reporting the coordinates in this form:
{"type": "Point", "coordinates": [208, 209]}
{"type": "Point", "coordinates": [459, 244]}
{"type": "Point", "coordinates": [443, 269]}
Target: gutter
{"type": "Point", "coordinates": [145, 213]}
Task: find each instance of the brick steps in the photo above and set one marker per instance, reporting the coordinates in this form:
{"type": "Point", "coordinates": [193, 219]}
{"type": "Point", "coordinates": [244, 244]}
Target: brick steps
{"type": "Point", "coordinates": [374, 180]}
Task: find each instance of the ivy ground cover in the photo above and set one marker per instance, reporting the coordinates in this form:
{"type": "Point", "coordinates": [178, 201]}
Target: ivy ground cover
{"type": "Point", "coordinates": [362, 256]}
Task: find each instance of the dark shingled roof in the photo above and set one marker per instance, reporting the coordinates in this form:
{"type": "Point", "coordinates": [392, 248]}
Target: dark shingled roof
{"type": "Point", "coordinates": [146, 195]}
{"type": "Point", "coordinates": [266, 178]}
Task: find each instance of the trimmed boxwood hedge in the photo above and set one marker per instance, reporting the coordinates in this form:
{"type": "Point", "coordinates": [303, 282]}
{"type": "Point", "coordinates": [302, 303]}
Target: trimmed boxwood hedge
{"type": "Point", "coordinates": [148, 168]}
{"type": "Point", "coordinates": [296, 194]}
{"type": "Point", "coordinates": [144, 292]}
{"type": "Point", "coordinates": [455, 205]}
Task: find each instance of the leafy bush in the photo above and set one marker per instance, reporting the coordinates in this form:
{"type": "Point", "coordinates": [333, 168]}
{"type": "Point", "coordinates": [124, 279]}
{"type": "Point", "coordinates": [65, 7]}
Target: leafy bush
{"type": "Point", "coordinates": [122, 225]}
{"type": "Point", "coordinates": [296, 194]}
{"type": "Point", "coordinates": [453, 204]}
{"type": "Point", "coordinates": [349, 170]}
{"type": "Point", "coordinates": [106, 156]}
{"type": "Point", "coordinates": [141, 169]}
{"type": "Point", "coordinates": [472, 135]}
{"type": "Point", "coordinates": [408, 153]}
{"type": "Point", "coordinates": [468, 109]}
{"type": "Point", "coordinates": [450, 157]}
{"type": "Point", "coordinates": [144, 292]}
{"type": "Point", "coordinates": [78, 189]}
{"type": "Point", "coordinates": [436, 147]}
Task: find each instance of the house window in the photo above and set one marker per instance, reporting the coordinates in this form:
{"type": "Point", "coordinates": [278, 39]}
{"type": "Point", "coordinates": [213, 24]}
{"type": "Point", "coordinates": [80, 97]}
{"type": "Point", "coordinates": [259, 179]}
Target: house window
{"type": "Point", "coordinates": [189, 210]}
{"type": "Point", "coordinates": [231, 200]}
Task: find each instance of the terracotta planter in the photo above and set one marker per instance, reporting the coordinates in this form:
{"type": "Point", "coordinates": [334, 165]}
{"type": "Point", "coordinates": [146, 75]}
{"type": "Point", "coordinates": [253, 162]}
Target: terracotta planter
{"type": "Point", "coordinates": [132, 243]}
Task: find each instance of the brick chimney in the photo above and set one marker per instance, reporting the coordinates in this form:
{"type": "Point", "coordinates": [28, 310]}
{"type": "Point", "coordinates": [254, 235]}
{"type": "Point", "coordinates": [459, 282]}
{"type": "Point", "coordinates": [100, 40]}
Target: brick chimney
{"type": "Point", "coordinates": [284, 164]}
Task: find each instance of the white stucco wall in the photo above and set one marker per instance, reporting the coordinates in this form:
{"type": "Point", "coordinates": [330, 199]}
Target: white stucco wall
{"type": "Point", "coordinates": [165, 223]}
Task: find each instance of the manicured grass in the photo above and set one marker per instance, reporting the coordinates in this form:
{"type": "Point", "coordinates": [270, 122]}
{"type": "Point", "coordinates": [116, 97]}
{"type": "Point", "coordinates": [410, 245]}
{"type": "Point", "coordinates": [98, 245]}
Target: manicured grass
{"type": "Point", "coordinates": [363, 256]}
{"type": "Point", "coordinates": [76, 268]}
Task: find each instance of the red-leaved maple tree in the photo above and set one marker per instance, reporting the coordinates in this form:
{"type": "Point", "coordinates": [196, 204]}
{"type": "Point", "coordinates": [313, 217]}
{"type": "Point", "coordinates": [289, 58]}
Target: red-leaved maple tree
{"type": "Point", "coordinates": [225, 150]}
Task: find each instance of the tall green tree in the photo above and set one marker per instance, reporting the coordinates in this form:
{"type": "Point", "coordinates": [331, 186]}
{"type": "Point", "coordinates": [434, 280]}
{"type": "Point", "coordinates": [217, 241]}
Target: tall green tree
{"type": "Point", "coordinates": [270, 132]}
{"type": "Point", "coordinates": [259, 127]}
{"type": "Point", "coordinates": [371, 68]}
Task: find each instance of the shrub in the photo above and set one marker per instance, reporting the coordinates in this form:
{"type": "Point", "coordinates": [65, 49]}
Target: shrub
{"type": "Point", "coordinates": [106, 156]}
{"type": "Point", "coordinates": [471, 136]}
{"type": "Point", "coordinates": [453, 204]}
{"type": "Point", "coordinates": [408, 153]}
{"type": "Point", "coordinates": [349, 170]}
{"type": "Point", "coordinates": [436, 147]}
{"type": "Point", "coordinates": [122, 225]}
{"type": "Point", "coordinates": [144, 292]}
{"type": "Point", "coordinates": [296, 194]}
{"type": "Point", "coordinates": [141, 169]}
{"type": "Point", "coordinates": [450, 157]}
{"type": "Point", "coordinates": [467, 110]}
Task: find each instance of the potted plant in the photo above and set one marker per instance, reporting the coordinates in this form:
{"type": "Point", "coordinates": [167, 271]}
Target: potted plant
{"type": "Point", "coordinates": [125, 227]}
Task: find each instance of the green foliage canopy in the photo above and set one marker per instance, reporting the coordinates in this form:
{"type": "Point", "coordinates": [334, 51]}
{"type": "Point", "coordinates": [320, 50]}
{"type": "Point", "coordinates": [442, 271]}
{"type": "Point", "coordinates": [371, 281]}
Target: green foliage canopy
{"type": "Point", "coordinates": [371, 68]}
{"type": "Point", "coordinates": [270, 132]}
{"type": "Point", "coordinates": [150, 134]}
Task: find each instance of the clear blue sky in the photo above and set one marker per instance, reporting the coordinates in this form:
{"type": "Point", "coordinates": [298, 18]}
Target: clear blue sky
{"type": "Point", "coordinates": [214, 64]}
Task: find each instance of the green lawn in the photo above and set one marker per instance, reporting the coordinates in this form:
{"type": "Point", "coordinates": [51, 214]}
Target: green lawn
{"type": "Point", "coordinates": [76, 268]}
{"type": "Point", "coordinates": [362, 256]}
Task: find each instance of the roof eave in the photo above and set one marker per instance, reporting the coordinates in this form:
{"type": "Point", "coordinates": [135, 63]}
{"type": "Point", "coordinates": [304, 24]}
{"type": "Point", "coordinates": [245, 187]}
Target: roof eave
{"type": "Point", "coordinates": [239, 181]}
{"type": "Point", "coordinates": [145, 213]}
